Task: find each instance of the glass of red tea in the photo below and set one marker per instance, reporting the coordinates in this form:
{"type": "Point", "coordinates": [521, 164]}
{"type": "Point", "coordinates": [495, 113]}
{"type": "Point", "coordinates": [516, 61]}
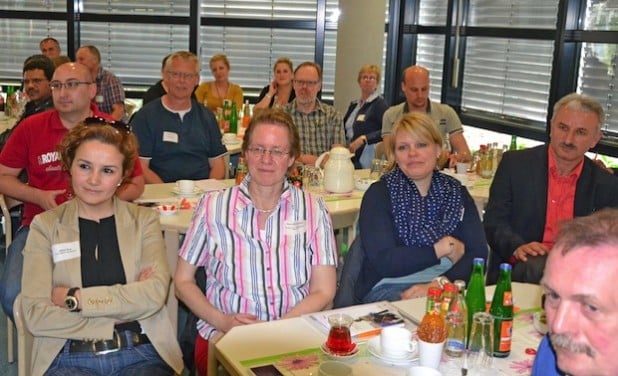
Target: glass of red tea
{"type": "Point", "coordinates": [339, 340]}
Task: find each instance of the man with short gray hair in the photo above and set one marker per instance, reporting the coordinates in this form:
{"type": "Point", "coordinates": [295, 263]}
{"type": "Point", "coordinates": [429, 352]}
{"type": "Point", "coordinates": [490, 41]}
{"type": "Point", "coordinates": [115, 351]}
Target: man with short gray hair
{"type": "Point", "coordinates": [535, 189]}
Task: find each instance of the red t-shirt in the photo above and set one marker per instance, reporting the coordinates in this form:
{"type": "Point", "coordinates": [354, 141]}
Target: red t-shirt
{"type": "Point", "coordinates": [32, 147]}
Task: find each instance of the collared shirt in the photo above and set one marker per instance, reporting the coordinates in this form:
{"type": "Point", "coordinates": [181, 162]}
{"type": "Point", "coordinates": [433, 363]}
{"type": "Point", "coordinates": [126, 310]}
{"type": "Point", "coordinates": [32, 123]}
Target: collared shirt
{"type": "Point", "coordinates": [445, 117]}
{"type": "Point", "coordinates": [560, 199]}
{"type": "Point", "coordinates": [109, 91]}
{"type": "Point", "coordinates": [261, 272]}
{"type": "Point", "coordinates": [320, 129]}
{"type": "Point", "coordinates": [349, 125]}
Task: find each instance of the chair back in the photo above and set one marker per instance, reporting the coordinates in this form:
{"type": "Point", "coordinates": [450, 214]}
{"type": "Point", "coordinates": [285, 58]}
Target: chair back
{"type": "Point", "coordinates": [24, 340]}
{"type": "Point", "coordinates": [352, 265]}
{"type": "Point", "coordinates": [380, 153]}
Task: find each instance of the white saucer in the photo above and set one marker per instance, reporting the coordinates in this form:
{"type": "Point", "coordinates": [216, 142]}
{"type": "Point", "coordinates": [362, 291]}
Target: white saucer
{"type": "Point", "coordinates": [167, 209]}
{"type": "Point", "coordinates": [349, 355]}
{"type": "Point", "coordinates": [374, 348]}
{"type": "Point", "coordinates": [196, 192]}
{"type": "Point", "coordinates": [362, 184]}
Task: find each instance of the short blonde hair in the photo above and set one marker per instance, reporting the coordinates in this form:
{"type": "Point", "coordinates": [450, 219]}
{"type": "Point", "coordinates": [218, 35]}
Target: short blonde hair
{"type": "Point", "coordinates": [420, 125]}
{"type": "Point", "coordinates": [220, 57]}
{"type": "Point", "coordinates": [369, 68]}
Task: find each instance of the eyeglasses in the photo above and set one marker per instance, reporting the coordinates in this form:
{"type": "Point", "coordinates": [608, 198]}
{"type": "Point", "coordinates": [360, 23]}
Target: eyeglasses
{"type": "Point", "coordinates": [116, 124]}
{"type": "Point", "coordinates": [305, 83]}
{"type": "Point", "coordinates": [69, 85]}
{"type": "Point", "coordinates": [259, 151]}
{"type": "Point", "coordinates": [34, 81]}
{"type": "Point", "coordinates": [369, 78]}
{"type": "Point", "coordinates": [177, 75]}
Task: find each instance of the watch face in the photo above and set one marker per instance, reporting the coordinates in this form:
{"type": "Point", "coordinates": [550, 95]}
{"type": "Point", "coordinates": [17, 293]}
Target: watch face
{"type": "Point", "coordinates": [71, 303]}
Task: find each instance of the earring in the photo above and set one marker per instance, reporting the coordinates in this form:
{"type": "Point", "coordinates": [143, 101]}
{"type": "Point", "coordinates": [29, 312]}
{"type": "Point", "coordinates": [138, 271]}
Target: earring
{"type": "Point", "coordinates": [119, 184]}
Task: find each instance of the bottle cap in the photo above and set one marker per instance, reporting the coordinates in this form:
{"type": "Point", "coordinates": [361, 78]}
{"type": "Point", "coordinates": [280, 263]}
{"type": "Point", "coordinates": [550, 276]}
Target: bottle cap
{"type": "Point", "coordinates": [450, 287]}
{"type": "Point", "coordinates": [506, 267]}
{"type": "Point", "coordinates": [461, 284]}
{"type": "Point", "coordinates": [478, 260]}
{"type": "Point", "coordinates": [434, 291]}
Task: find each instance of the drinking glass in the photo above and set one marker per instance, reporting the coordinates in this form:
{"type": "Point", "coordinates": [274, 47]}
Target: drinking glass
{"type": "Point", "coordinates": [376, 169]}
{"type": "Point", "coordinates": [339, 338]}
{"type": "Point", "coordinates": [312, 178]}
{"type": "Point", "coordinates": [480, 348]}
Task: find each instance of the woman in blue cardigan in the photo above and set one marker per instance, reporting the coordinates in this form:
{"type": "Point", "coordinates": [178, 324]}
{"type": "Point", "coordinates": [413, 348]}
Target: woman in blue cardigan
{"type": "Point", "coordinates": [363, 120]}
{"type": "Point", "coordinates": [418, 227]}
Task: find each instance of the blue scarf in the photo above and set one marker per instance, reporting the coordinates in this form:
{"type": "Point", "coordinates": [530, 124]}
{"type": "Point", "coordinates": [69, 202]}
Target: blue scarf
{"type": "Point", "coordinates": [422, 221]}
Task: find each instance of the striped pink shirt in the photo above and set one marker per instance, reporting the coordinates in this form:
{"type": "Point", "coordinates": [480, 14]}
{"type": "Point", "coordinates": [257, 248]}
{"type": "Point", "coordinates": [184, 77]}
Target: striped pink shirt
{"type": "Point", "coordinates": [264, 273]}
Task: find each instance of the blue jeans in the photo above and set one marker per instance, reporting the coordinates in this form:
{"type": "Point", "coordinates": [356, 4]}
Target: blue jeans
{"type": "Point", "coordinates": [142, 360]}
{"type": "Point", "coordinates": [10, 282]}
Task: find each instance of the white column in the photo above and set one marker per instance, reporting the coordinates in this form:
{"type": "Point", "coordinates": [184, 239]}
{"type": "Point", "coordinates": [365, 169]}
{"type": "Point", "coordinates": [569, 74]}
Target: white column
{"type": "Point", "coordinates": [360, 40]}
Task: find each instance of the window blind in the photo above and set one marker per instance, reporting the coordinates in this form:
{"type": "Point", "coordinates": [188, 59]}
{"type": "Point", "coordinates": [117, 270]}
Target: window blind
{"type": "Point", "coordinates": [508, 76]}
{"type": "Point", "coordinates": [430, 54]}
{"type": "Point", "coordinates": [133, 52]}
{"type": "Point", "coordinates": [23, 37]}
{"type": "Point", "coordinates": [597, 67]}
{"type": "Point", "coordinates": [513, 13]}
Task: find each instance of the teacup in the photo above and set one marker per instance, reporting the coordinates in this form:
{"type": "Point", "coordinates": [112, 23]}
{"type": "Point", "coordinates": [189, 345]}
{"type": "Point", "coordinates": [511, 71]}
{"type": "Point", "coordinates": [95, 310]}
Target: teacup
{"type": "Point", "coordinates": [396, 342]}
{"type": "Point", "coordinates": [185, 186]}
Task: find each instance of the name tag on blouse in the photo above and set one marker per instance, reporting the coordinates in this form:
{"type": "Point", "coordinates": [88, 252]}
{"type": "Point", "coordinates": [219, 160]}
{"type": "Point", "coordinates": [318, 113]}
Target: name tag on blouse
{"type": "Point", "coordinates": [295, 228]}
{"type": "Point", "coordinates": [360, 117]}
{"type": "Point", "coordinates": [65, 251]}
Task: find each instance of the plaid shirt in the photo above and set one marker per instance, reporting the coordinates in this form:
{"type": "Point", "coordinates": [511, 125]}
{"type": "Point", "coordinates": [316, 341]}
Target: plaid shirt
{"type": "Point", "coordinates": [110, 88]}
{"type": "Point", "coordinates": [261, 272]}
{"type": "Point", "coordinates": [319, 129]}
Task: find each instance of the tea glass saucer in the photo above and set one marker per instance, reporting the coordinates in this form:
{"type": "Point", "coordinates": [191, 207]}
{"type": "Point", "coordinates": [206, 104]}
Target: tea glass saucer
{"type": "Point", "coordinates": [352, 353]}
{"type": "Point", "coordinates": [196, 192]}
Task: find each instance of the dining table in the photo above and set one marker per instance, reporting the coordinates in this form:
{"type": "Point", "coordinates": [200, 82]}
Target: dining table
{"type": "Point", "coordinates": [294, 346]}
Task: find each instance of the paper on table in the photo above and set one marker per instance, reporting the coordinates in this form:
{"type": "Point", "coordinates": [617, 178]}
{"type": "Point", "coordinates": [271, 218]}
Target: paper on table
{"type": "Point", "coordinates": [369, 319]}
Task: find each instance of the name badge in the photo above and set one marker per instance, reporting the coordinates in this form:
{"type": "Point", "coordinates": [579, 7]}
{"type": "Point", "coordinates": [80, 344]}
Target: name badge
{"type": "Point", "coordinates": [98, 99]}
{"type": "Point", "coordinates": [170, 137]}
{"type": "Point", "coordinates": [65, 251]}
{"type": "Point", "coordinates": [360, 117]}
{"type": "Point", "coordinates": [295, 228]}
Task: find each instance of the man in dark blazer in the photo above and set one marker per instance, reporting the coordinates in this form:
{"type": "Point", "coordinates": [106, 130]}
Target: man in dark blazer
{"type": "Point", "coordinates": [535, 189]}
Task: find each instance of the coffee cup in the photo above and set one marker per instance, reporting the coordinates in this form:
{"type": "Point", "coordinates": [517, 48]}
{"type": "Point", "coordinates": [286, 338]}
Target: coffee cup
{"type": "Point", "coordinates": [430, 354]}
{"type": "Point", "coordinates": [396, 342]}
{"type": "Point", "coordinates": [185, 186]}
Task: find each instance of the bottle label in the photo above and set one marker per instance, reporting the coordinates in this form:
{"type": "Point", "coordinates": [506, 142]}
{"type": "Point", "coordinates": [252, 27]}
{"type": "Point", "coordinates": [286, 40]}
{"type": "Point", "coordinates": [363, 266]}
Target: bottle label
{"type": "Point", "coordinates": [454, 345]}
{"type": "Point", "coordinates": [508, 299]}
{"type": "Point", "coordinates": [506, 330]}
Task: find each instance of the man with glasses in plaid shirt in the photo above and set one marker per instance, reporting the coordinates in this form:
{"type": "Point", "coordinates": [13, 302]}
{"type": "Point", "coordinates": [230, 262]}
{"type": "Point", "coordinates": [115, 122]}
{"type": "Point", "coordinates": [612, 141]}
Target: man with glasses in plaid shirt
{"type": "Point", "coordinates": [32, 147]}
{"type": "Point", "coordinates": [320, 126]}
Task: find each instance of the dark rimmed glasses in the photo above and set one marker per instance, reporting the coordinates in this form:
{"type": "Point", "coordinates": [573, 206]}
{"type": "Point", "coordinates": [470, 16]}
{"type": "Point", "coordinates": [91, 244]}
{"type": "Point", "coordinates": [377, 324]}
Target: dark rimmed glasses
{"type": "Point", "coordinates": [69, 85]}
{"type": "Point", "coordinates": [116, 124]}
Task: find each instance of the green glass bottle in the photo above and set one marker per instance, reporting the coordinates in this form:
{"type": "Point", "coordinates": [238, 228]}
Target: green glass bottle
{"type": "Point", "coordinates": [513, 145]}
{"type": "Point", "coordinates": [475, 296]}
{"type": "Point", "coordinates": [502, 312]}
{"type": "Point", "coordinates": [234, 119]}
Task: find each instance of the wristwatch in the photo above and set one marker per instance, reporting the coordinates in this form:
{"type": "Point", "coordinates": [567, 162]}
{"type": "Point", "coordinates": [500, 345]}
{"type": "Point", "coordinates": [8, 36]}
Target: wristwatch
{"type": "Point", "coordinates": [70, 302]}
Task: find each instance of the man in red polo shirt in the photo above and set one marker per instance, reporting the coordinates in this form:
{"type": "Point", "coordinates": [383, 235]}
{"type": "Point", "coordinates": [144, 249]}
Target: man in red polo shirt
{"type": "Point", "coordinates": [32, 147]}
{"type": "Point", "coordinates": [535, 189]}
